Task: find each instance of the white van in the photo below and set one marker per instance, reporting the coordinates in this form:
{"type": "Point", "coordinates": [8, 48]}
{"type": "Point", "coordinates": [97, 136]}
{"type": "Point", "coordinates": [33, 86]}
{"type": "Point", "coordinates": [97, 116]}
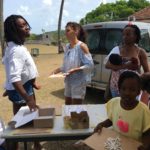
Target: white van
{"type": "Point", "coordinates": [101, 38]}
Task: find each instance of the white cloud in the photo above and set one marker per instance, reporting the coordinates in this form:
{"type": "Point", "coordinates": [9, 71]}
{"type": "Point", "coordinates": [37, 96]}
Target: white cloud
{"type": "Point", "coordinates": [24, 10]}
{"type": "Point", "coordinates": [78, 17]}
{"type": "Point", "coordinates": [65, 13]}
{"type": "Point", "coordinates": [47, 2]}
{"type": "Point", "coordinates": [47, 24]}
{"type": "Point", "coordinates": [84, 1]}
{"type": "Point", "coordinates": [104, 1]}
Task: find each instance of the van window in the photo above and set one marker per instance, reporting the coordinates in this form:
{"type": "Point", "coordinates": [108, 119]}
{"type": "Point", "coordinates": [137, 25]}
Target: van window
{"type": "Point", "coordinates": [95, 40]}
{"type": "Point", "coordinates": [113, 38]}
{"type": "Point", "coordinates": [145, 40]}
{"type": "Point", "coordinates": [102, 41]}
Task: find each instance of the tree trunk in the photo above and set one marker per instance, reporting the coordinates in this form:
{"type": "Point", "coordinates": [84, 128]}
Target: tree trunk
{"type": "Point", "coordinates": [59, 27]}
{"type": "Point", "coordinates": [1, 27]}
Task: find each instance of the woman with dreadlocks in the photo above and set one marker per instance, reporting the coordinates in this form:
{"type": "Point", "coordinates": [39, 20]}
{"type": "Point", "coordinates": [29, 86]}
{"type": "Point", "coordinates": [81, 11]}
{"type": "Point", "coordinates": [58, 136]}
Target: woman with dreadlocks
{"type": "Point", "coordinates": [19, 66]}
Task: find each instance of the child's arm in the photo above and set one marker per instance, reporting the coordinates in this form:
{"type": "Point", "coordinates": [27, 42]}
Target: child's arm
{"type": "Point", "coordinates": [107, 123]}
{"type": "Point", "coordinates": [145, 141]}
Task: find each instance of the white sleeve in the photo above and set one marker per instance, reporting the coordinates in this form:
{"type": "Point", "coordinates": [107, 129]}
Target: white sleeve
{"type": "Point", "coordinates": [16, 64]}
{"type": "Point", "coordinates": [115, 50]}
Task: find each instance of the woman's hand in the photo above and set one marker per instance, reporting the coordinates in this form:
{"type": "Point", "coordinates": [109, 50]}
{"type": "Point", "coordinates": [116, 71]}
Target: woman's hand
{"type": "Point", "coordinates": [98, 128]}
{"type": "Point", "coordinates": [30, 100]}
{"type": "Point", "coordinates": [31, 103]}
{"type": "Point", "coordinates": [132, 66]}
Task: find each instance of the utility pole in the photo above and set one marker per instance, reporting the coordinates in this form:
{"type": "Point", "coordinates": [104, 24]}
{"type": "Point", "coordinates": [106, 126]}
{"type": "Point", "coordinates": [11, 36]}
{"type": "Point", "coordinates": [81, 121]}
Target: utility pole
{"type": "Point", "coordinates": [1, 27]}
{"type": "Point", "coordinates": [59, 26]}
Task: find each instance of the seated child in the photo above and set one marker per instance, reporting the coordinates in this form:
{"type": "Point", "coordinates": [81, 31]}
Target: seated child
{"type": "Point", "coordinates": [122, 111]}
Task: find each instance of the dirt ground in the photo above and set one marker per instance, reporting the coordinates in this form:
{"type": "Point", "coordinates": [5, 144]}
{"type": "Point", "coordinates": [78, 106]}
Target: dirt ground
{"type": "Point", "coordinates": [52, 91]}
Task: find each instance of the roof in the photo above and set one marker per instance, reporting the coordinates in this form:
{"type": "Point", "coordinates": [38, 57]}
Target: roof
{"type": "Point", "coordinates": [142, 15]}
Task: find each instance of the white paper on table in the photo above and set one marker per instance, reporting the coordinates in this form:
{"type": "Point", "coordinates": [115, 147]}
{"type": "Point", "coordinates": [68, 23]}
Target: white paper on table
{"type": "Point", "coordinates": [23, 116]}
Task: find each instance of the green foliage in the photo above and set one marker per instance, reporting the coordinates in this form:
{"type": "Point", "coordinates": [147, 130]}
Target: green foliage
{"type": "Point", "coordinates": [138, 4]}
{"type": "Point", "coordinates": [114, 11]}
{"type": "Point", "coordinates": [54, 37]}
{"type": "Point", "coordinates": [32, 37]}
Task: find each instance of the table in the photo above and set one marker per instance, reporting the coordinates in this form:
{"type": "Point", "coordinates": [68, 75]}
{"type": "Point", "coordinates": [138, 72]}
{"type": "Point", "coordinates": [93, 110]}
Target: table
{"type": "Point", "coordinates": [97, 113]}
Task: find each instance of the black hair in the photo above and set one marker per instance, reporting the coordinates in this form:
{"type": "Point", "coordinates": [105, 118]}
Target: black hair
{"type": "Point", "coordinates": [136, 31]}
{"type": "Point", "coordinates": [11, 29]}
{"type": "Point", "coordinates": [81, 33]}
{"type": "Point", "coordinates": [115, 59]}
{"type": "Point", "coordinates": [128, 74]}
{"type": "Point", "coordinates": [145, 83]}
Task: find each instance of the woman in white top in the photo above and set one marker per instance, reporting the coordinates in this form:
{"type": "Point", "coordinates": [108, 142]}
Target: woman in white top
{"type": "Point", "coordinates": [19, 66]}
{"type": "Point", "coordinates": [77, 64]}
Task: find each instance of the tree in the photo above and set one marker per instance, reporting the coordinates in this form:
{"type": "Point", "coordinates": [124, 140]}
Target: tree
{"type": "Point", "coordinates": [1, 27]}
{"type": "Point", "coordinates": [114, 11]}
{"type": "Point", "coordinates": [59, 26]}
{"type": "Point", "coordinates": [138, 4]}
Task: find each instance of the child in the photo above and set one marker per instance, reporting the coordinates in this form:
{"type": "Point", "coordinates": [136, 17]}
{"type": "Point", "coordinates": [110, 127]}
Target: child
{"type": "Point", "coordinates": [128, 116]}
{"type": "Point", "coordinates": [115, 59]}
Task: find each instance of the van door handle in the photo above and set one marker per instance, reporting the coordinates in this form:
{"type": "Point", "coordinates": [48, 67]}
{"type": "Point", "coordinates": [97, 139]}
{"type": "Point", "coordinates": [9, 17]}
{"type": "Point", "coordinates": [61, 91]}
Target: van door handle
{"type": "Point", "coordinates": [95, 62]}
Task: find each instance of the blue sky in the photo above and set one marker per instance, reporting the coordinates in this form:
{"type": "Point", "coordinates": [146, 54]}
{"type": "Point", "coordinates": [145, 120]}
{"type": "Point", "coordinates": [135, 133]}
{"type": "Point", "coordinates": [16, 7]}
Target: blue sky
{"type": "Point", "coordinates": [43, 14]}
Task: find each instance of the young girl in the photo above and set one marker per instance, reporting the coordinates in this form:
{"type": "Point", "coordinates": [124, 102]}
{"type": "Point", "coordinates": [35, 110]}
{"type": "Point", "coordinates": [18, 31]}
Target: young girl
{"type": "Point", "coordinates": [127, 115]}
{"type": "Point", "coordinates": [19, 66]}
{"type": "Point", "coordinates": [77, 64]}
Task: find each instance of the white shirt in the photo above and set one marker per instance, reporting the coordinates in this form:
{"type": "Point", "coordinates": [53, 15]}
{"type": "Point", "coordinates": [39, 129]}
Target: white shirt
{"type": "Point", "coordinates": [74, 58]}
{"type": "Point", "coordinates": [19, 65]}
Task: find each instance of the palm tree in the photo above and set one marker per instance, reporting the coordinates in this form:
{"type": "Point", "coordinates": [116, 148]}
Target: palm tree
{"type": "Point", "coordinates": [1, 27]}
{"type": "Point", "coordinates": [59, 26]}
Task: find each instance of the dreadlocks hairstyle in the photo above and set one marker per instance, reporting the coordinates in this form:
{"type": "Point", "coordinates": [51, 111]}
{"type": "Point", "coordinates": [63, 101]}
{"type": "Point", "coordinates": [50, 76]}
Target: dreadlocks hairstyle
{"type": "Point", "coordinates": [136, 31]}
{"type": "Point", "coordinates": [77, 27]}
{"type": "Point", "coordinates": [11, 29]}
